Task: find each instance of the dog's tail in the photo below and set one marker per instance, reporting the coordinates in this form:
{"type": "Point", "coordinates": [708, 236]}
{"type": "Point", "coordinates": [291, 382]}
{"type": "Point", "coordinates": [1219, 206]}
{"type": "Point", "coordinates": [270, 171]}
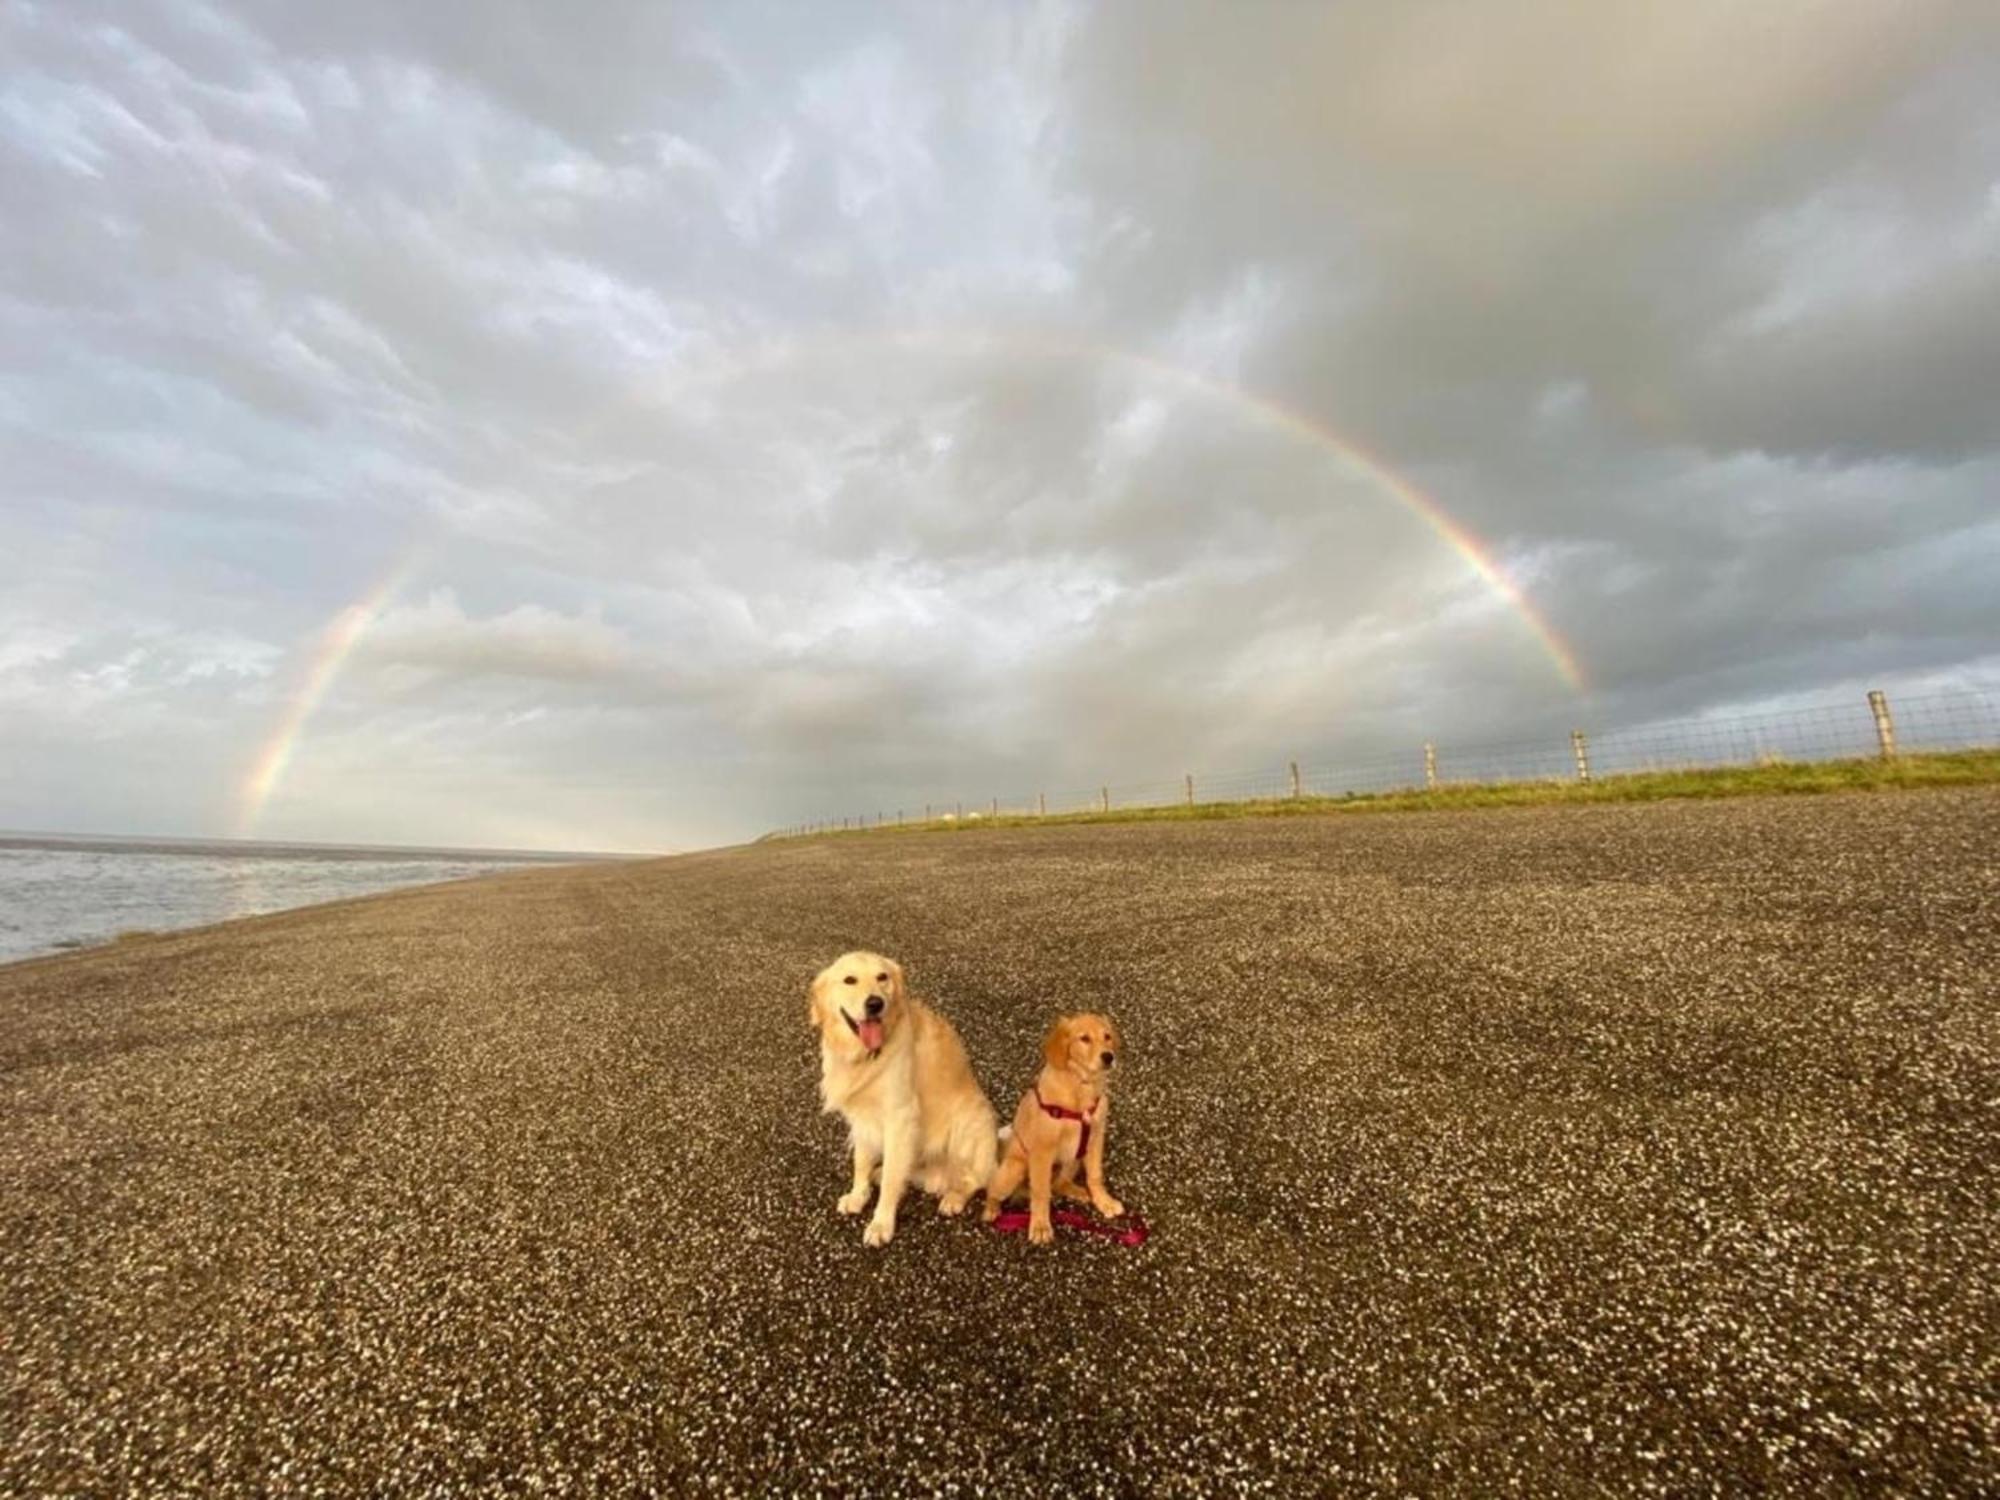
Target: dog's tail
{"type": "Point", "coordinates": [975, 1145]}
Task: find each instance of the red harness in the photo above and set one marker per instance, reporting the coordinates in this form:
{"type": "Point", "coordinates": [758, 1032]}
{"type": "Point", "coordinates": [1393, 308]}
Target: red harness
{"type": "Point", "coordinates": [1082, 1118]}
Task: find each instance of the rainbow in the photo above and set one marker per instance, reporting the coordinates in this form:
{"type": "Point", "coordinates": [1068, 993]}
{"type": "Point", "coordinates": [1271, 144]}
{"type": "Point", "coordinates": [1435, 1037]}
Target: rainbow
{"type": "Point", "coordinates": [1476, 554]}
{"type": "Point", "coordinates": [331, 648]}
{"type": "Point", "coordinates": [337, 640]}
{"type": "Point", "coordinates": [1357, 460]}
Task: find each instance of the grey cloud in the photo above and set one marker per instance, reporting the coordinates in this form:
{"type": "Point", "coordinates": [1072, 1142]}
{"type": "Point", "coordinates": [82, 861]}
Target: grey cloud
{"type": "Point", "coordinates": [802, 408]}
{"type": "Point", "coordinates": [437, 636]}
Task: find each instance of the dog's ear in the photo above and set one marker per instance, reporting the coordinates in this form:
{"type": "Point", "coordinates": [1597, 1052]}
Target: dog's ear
{"type": "Point", "coordinates": [1055, 1046]}
{"type": "Point", "coordinates": [1113, 1039]}
{"type": "Point", "coordinates": [815, 1017]}
{"type": "Point", "coordinates": [895, 971]}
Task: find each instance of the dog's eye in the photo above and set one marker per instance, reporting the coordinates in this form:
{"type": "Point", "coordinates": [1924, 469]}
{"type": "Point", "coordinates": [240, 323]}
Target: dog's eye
{"type": "Point", "coordinates": [881, 978]}
{"type": "Point", "coordinates": [850, 979]}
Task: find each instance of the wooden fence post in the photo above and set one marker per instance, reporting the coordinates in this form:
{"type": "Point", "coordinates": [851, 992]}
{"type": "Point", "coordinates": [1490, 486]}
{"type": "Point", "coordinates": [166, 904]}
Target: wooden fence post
{"type": "Point", "coordinates": [1430, 767]}
{"type": "Point", "coordinates": [1042, 802]}
{"type": "Point", "coordinates": [1105, 793]}
{"type": "Point", "coordinates": [1885, 726]}
{"type": "Point", "coordinates": [1580, 748]}
{"type": "Point", "coordinates": [1295, 778]}
{"type": "Point", "coordinates": [1190, 788]}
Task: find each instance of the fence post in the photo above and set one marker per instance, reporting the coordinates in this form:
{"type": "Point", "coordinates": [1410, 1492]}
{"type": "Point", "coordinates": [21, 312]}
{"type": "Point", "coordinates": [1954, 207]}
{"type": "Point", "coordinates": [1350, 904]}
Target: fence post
{"type": "Point", "coordinates": [1105, 793]}
{"type": "Point", "coordinates": [1580, 747]}
{"type": "Point", "coordinates": [1430, 767]}
{"type": "Point", "coordinates": [1295, 778]}
{"type": "Point", "coordinates": [996, 807]}
{"type": "Point", "coordinates": [1190, 788]}
{"type": "Point", "coordinates": [1885, 726]}
{"type": "Point", "coordinates": [1042, 802]}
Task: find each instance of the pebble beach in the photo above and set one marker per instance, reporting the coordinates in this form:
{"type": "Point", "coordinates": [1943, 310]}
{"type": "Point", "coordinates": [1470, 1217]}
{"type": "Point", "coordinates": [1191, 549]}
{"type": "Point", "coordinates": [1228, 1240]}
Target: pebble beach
{"type": "Point", "coordinates": [1623, 1149]}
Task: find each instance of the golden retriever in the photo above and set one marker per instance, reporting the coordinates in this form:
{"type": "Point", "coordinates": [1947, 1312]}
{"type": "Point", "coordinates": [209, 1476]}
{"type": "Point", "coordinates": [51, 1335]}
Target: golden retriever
{"type": "Point", "coordinates": [1060, 1126]}
{"type": "Point", "coordinates": [897, 1072]}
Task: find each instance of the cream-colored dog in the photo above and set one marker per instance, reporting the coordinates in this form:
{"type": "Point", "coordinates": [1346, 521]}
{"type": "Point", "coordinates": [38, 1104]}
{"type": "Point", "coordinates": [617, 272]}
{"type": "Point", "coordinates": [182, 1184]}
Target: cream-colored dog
{"type": "Point", "coordinates": [897, 1072]}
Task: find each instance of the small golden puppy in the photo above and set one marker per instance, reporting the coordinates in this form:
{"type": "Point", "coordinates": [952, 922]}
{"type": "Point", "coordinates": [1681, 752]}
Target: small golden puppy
{"type": "Point", "coordinates": [897, 1073]}
{"type": "Point", "coordinates": [1060, 1126]}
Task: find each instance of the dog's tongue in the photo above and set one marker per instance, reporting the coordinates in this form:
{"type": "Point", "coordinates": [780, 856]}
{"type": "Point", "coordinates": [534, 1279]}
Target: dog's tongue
{"type": "Point", "coordinates": [870, 1032]}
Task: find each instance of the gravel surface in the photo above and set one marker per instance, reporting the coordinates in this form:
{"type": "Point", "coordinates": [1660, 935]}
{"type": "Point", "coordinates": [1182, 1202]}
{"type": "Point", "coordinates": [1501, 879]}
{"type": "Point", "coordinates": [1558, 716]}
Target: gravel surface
{"type": "Point", "coordinates": [1622, 1149]}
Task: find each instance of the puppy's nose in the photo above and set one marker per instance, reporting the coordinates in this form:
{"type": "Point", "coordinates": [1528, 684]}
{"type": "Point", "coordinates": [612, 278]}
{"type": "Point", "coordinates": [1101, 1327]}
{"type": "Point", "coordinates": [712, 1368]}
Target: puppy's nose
{"type": "Point", "coordinates": [875, 1004]}
{"type": "Point", "coordinates": [1106, 1058]}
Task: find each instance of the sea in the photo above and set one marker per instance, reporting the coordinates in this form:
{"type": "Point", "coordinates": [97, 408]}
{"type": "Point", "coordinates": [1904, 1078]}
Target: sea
{"type": "Point", "coordinates": [59, 892]}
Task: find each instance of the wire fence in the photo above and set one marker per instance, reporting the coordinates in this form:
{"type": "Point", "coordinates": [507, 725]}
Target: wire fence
{"type": "Point", "coordinates": [1864, 729]}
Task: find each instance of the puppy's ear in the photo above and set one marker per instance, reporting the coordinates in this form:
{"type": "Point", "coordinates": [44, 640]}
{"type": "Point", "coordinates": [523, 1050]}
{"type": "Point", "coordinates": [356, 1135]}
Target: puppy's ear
{"type": "Point", "coordinates": [815, 1017]}
{"type": "Point", "coordinates": [1055, 1046]}
{"type": "Point", "coordinates": [896, 979]}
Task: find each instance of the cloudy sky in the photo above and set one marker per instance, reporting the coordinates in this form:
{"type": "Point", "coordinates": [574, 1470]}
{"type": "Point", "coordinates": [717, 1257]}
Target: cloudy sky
{"type": "Point", "coordinates": [632, 425]}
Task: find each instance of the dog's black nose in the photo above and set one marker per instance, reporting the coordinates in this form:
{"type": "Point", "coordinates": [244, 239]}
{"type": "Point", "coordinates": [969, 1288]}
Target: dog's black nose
{"type": "Point", "coordinates": [1108, 1058]}
{"type": "Point", "coordinates": [875, 1004]}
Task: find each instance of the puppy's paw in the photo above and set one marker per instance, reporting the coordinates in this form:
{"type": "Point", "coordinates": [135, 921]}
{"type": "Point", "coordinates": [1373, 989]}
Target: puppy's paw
{"type": "Point", "coordinates": [1109, 1206]}
{"type": "Point", "coordinates": [879, 1232]}
{"type": "Point", "coordinates": [991, 1211]}
{"type": "Point", "coordinates": [854, 1202]}
{"type": "Point", "coordinates": [1041, 1231]}
{"type": "Point", "coordinates": [951, 1205]}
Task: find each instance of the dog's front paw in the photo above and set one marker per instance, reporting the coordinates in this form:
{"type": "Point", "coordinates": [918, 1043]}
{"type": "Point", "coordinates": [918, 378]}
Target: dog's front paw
{"type": "Point", "coordinates": [879, 1232]}
{"type": "Point", "coordinates": [952, 1204]}
{"type": "Point", "coordinates": [1109, 1206]}
{"type": "Point", "coordinates": [992, 1209]}
{"type": "Point", "coordinates": [1040, 1230]}
{"type": "Point", "coordinates": [854, 1202]}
